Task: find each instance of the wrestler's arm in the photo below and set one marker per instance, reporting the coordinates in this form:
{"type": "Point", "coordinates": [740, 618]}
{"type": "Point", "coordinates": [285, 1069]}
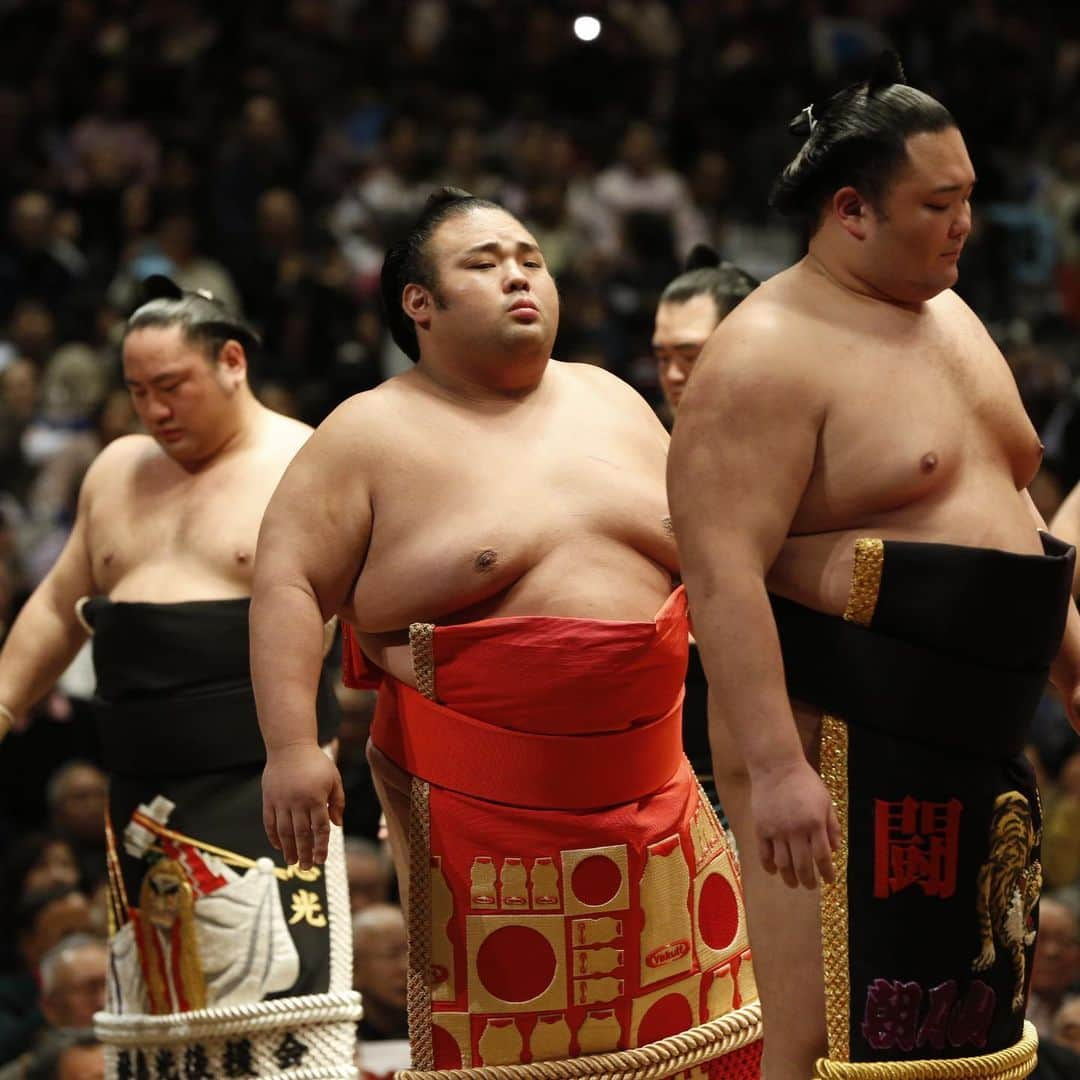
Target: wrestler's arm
{"type": "Point", "coordinates": [741, 456]}
{"type": "Point", "coordinates": [311, 544]}
{"type": "Point", "coordinates": [1066, 526]}
{"type": "Point", "coordinates": [47, 634]}
{"type": "Point", "coordinates": [1065, 670]}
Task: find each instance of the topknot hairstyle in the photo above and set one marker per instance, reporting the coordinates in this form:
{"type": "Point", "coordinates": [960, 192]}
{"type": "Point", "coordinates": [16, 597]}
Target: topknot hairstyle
{"type": "Point", "coordinates": [858, 137]}
{"type": "Point", "coordinates": [707, 273]}
{"type": "Point", "coordinates": [409, 262]}
{"type": "Point", "coordinates": [204, 321]}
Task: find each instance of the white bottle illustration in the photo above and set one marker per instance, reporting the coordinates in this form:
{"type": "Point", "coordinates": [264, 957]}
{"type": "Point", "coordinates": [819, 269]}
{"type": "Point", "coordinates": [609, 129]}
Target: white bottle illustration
{"type": "Point", "coordinates": [596, 931]}
{"type": "Point", "coordinates": [600, 1032]}
{"type": "Point", "coordinates": [482, 883]}
{"type": "Point", "coordinates": [501, 1043]}
{"type": "Point", "coordinates": [550, 1038]}
{"type": "Point", "coordinates": [512, 884]}
{"type": "Point", "coordinates": [596, 991]}
{"type": "Point", "coordinates": [597, 961]}
{"type": "Point", "coordinates": [544, 882]}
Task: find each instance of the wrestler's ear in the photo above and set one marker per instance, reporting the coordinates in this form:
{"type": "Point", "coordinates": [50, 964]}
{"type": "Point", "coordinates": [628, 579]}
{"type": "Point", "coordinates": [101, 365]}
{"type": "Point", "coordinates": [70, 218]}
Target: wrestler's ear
{"type": "Point", "coordinates": [418, 304]}
{"type": "Point", "coordinates": [232, 363]}
{"type": "Point", "coordinates": [851, 211]}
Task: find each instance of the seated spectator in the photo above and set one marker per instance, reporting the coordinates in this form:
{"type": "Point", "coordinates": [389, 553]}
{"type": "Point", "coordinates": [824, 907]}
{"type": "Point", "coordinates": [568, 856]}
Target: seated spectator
{"type": "Point", "coordinates": [1056, 966]}
{"type": "Point", "coordinates": [72, 977]}
{"type": "Point", "coordinates": [380, 972]}
{"type": "Point", "coordinates": [34, 863]}
{"type": "Point", "coordinates": [69, 1055]}
{"type": "Point", "coordinates": [1065, 1028]}
{"type": "Point", "coordinates": [42, 920]}
{"type": "Point", "coordinates": [76, 799]}
{"type": "Point", "coordinates": [368, 871]}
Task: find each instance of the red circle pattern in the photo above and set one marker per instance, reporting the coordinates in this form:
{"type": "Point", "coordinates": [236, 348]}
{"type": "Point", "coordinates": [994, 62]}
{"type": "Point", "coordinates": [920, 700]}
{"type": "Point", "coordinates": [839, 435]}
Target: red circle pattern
{"type": "Point", "coordinates": [596, 880]}
{"type": "Point", "coordinates": [665, 1017]}
{"type": "Point", "coordinates": [515, 963]}
{"type": "Point", "coordinates": [445, 1049]}
{"type": "Point", "coordinates": [718, 912]}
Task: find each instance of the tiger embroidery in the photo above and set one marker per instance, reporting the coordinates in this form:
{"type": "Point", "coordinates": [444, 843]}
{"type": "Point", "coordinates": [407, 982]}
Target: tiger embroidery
{"type": "Point", "coordinates": [1008, 888]}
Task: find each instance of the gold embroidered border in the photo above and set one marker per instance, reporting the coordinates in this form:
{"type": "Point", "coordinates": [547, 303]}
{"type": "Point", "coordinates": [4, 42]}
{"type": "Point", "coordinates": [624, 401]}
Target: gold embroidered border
{"type": "Point", "coordinates": [1012, 1063]}
{"type": "Point", "coordinates": [834, 898]}
{"type": "Point", "coordinates": [862, 600]}
{"type": "Point", "coordinates": [422, 642]}
{"type": "Point", "coordinates": [418, 993]}
{"type": "Point", "coordinates": [865, 580]}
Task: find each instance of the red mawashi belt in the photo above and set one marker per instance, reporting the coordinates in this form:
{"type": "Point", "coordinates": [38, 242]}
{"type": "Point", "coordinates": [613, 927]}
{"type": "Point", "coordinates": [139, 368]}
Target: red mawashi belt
{"type": "Point", "coordinates": [520, 768]}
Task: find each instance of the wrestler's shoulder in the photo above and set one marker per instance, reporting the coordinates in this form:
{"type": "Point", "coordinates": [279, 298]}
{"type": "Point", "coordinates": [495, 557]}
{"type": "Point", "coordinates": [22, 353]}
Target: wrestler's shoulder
{"type": "Point", "coordinates": [125, 454]}
{"type": "Point", "coordinates": [592, 380]}
{"type": "Point", "coordinates": [770, 335]}
{"type": "Point", "coordinates": [363, 419]}
{"type": "Point", "coordinates": [283, 434]}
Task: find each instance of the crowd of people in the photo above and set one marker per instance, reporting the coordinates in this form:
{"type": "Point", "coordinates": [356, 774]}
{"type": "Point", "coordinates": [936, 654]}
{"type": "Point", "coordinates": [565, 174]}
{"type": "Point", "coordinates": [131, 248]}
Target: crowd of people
{"type": "Point", "coordinates": [270, 153]}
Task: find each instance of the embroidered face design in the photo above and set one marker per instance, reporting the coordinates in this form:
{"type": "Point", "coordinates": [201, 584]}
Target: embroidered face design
{"type": "Point", "coordinates": [163, 894]}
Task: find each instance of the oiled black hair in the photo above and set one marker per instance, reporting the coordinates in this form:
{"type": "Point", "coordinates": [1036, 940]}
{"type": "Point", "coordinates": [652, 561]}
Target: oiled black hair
{"type": "Point", "coordinates": [408, 262]}
{"type": "Point", "coordinates": [857, 137]}
{"type": "Point", "coordinates": [706, 273]}
{"type": "Point", "coordinates": [204, 322]}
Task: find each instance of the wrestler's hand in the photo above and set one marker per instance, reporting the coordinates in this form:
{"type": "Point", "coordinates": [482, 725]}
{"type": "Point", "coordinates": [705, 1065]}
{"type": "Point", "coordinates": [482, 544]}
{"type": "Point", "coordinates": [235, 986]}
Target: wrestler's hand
{"type": "Point", "coordinates": [302, 794]}
{"type": "Point", "coordinates": [797, 828]}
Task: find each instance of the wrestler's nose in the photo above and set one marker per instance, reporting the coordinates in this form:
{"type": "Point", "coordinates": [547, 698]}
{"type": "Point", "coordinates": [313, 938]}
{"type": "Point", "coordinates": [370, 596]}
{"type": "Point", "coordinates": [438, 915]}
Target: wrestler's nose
{"type": "Point", "coordinates": [515, 280]}
{"type": "Point", "coordinates": [674, 373]}
{"type": "Point", "coordinates": [962, 224]}
{"type": "Point", "coordinates": [157, 410]}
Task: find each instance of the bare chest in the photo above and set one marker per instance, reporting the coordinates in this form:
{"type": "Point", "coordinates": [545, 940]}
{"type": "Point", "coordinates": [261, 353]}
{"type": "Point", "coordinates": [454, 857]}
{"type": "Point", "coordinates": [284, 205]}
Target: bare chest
{"type": "Point", "coordinates": [456, 524]}
{"type": "Point", "coordinates": [159, 537]}
{"type": "Point", "coordinates": [908, 425]}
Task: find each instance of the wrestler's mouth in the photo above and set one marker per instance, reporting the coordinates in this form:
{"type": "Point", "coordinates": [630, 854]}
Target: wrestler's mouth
{"type": "Point", "coordinates": [169, 434]}
{"type": "Point", "coordinates": [525, 309]}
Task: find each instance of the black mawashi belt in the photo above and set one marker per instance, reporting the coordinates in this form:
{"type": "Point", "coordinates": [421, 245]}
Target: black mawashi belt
{"type": "Point", "coordinates": [906, 690]}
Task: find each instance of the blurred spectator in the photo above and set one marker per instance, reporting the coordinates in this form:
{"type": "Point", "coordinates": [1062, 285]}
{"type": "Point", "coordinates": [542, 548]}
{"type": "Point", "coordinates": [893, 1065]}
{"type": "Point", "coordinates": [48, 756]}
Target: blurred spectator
{"type": "Point", "coordinates": [69, 1055]}
{"type": "Point", "coordinates": [42, 920]}
{"type": "Point", "coordinates": [641, 183]}
{"type": "Point", "coordinates": [259, 156]}
{"type": "Point", "coordinates": [34, 863]}
{"type": "Point", "coordinates": [1056, 967]}
{"type": "Point", "coordinates": [175, 252]}
{"type": "Point", "coordinates": [1066, 1025]}
{"type": "Point", "coordinates": [72, 975]}
{"type": "Point", "coordinates": [76, 797]}
{"type": "Point", "coordinates": [368, 871]}
{"type": "Point", "coordinates": [380, 970]}
{"type": "Point", "coordinates": [34, 264]}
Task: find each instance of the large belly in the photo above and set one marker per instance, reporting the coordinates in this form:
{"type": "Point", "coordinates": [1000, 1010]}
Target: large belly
{"type": "Point", "coordinates": [584, 578]}
{"type": "Point", "coordinates": [815, 569]}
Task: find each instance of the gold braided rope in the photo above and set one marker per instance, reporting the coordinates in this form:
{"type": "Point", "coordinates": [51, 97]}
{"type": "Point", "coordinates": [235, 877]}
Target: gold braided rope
{"type": "Point", "coordinates": [422, 641]}
{"type": "Point", "coordinates": [865, 580]}
{"type": "Point", "coordinates": [862, 600]}
{"type": "Point", "coordinates": [659, 1059]}
{"type": "Point", "coordinates": [1012, 1063]}
{"type": "Point", "coordinates": [834, 897]}
{"type": "Point", "coordinates": [418, 992]}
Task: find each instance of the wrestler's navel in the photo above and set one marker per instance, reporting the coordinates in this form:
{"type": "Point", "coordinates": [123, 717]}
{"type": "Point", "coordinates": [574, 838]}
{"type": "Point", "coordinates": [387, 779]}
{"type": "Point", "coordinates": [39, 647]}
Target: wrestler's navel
{"type": "Point", "coordinates": [486, 560]}
{"type": "Point", "coordinates": [929, 462]}
{"type": "Point", "coordinates": [668, 527]}
{"type": "Point", "coordinates": [243, 557]}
